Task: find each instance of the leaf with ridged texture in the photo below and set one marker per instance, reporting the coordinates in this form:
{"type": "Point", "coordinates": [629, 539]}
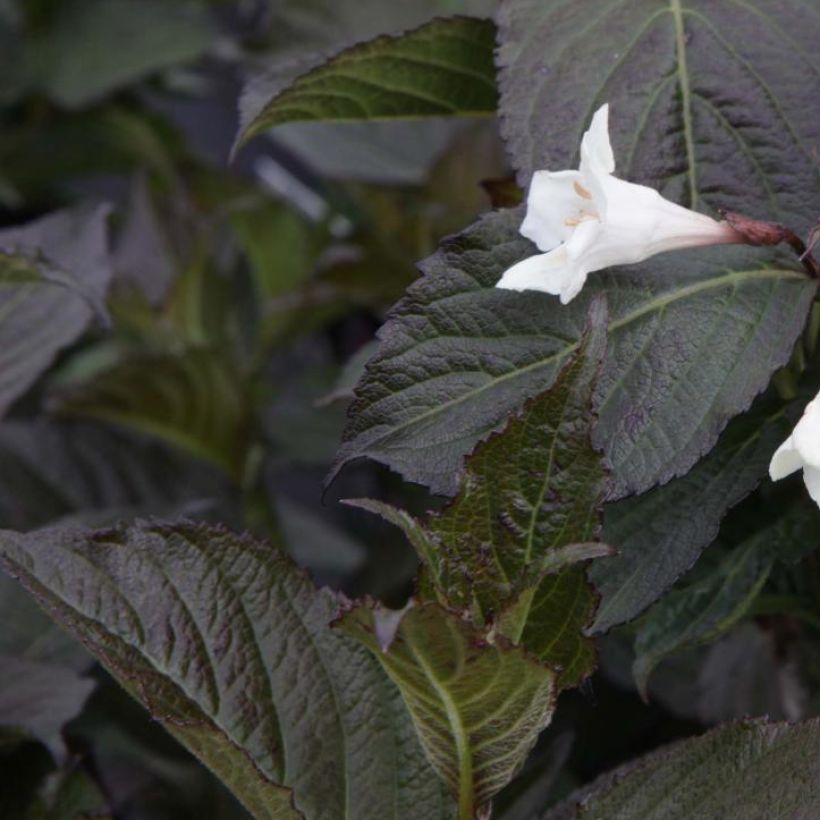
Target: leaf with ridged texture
{"type": "Point", "coordinates": [54, 272]}
{"type": "Point", "coordinates": [660, 535]}
{"type": "Point", "coordinates": [708, 99]}
{"type": "Point", "coordinates": [444, 67]}
{"type": "Point", "coordinates": [194, 400]}
{"type": "Point", "coordinates": [227, 644]}
{"type": "Point", "coordinates": [751, 770]}
{"type": "Point", "coordinates": [702, 611]}
{"type": "Point", "coordinates": [528, 507]}
{"type": "Point", "coordinates": [478, 706]}
{"type": "Point", "coordinates": [693, 337]}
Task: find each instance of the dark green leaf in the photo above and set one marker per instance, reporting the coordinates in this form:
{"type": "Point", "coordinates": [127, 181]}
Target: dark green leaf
{"type": "Point", "coordinates": [752, 770]}
{"type": "Point", "coordinates": [660, 535]}
{"type": "Point", "coordinates": [51, 471]}
{"type": "Point", "coordinates": [705, 609]}
{"type": "Point", "coordinates": [90, 48]}
{"type": "Point", "coordinates": [529, 502]}
{"type": "Point", "coordinates": [708, 99]}
{"type": "Point", "coordinates": [194, 400]}
{"type": "Point", "coordinates": [226, 643]}
{"type": "Point", "coordinates": [54, 272]}
{"type": "Point", "coordinates": [693, 338]}
{"type": "Point", "coordinates": [39, 698]}
{"type": "Point", "coordinates": [442, 68]}
{"type": "Point", "coordinates": [478, 706]}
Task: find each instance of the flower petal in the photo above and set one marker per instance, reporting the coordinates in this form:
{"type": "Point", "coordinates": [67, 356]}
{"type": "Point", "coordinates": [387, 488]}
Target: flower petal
{"type": "Point", "coordinates": [554, 197]}
{"type": "Point", "coordinates": [811, 475]}
{"type": "Point", "coordinates": [552, 272]}
{"type": "Point", "coordinates": [785, 461]}
{"type": "Point", "coordinates": [806, 434]}
{"type": "Point", "coordinates": [596, 149]}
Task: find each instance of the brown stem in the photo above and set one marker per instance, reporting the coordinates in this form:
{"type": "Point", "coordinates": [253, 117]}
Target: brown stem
{"type": "Point", "coordinates": [757, 232]}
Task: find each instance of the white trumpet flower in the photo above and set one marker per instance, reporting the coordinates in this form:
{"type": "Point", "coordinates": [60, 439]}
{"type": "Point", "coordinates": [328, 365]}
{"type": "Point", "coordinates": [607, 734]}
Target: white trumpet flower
{"type": "Point", "coordinates": [801, 450]}
{"type": "Point", "coordinates": [589, 219]}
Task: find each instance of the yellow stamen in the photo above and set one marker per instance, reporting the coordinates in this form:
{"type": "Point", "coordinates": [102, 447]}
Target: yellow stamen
{"type": "Point", "coordinates": [581, 191]}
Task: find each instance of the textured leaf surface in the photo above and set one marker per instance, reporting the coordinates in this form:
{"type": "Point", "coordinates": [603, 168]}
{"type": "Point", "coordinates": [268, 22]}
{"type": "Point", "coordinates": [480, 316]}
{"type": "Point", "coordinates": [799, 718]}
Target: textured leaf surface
{"type": "Point", "coordinates": [528, 506]}
{"type": "Point", "coordinates": [194, 400]}
{"type": "Point", "coordinates": [442, 68]}
{"type": "Point", "coordinates": [708, 607]}
{"type": "Point", "coordinates": [226, 643]}
{"type": "Point", "coordinates": [660, 535]}
{"type": "Point", "coordinates": [708, 99]}
{"type": "Point", "coordinates": [693, 337]}
{"type": "Point", "coordinates": [478, 707]}
{"type": "Point", "coordinates": [51, 272]}
{"type": "Point", "coordinates": [752, 770]}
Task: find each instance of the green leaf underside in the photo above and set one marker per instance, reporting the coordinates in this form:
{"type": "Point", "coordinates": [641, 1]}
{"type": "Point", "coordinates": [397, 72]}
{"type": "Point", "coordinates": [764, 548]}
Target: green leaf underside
{"type": "Point", "coordinates": [752, 770]}
{"type": "Point", "coordinates": [660, 535]}
{"type": "Point", "coordinates": [194, 401]}
{"type": "Point", "coordinates": [445, 67]}
{"type": "Point", "coordinates": [693, 337]}
{"type": "Point", "coordinates": [478, 707]}
{"type": "Point", "coordinates": [707, 608]}
{"type": "Point", "coordinates": [40, 315]}
{"type": "Point", "coordinates": [707, 99]}
{"type": "Point", "coordinates": [226, 643]}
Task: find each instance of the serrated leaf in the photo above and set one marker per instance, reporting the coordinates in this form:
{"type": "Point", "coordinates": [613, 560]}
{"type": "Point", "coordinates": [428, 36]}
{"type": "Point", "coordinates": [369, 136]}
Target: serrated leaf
{"type": "Point", "coordinates": [478, 706]}
{"type": "Point", "coordinates": [444, 67]}
{"type": "Point", "coordinates": [712, 604]}
{"type": "Point", "coordinates": [529, 503]}
{"type": "Point", "coordinates": [226, 643]}
{"type": "Point", "coordinates": [194, 400]}
{"type": "Point", "coordinates": [693, 337]}
{"type": "Point", "coordinates": [660, 535]}
{"type": "Point", "coordinates": [708, 99]}
{"type": "Point", "coordinates": [54, 272]}
{"type": "Point", "coordinates": [753, 770]}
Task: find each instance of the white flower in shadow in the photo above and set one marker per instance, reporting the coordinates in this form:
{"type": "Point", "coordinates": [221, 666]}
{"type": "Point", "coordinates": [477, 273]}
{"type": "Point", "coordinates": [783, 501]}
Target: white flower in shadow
{"type": "Point", "coordinates": [801, 450]}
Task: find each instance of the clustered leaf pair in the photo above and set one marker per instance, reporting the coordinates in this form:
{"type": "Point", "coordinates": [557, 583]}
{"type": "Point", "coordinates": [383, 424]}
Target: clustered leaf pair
{"type": "Point", "coordinates": [589, 219]}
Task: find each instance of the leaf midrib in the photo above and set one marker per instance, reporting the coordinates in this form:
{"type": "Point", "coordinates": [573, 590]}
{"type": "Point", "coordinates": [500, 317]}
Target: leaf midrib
{"type": "Point", "coordinates": [460, 736]}
{"type": "Point", "coordinates": [658, 303]}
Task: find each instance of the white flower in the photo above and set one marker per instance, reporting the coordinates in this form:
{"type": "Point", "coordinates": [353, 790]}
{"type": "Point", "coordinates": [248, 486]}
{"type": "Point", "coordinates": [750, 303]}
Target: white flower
{"type": "Point", "coordinates": [801, 450]}
{"type": "Point", "coordinates": [589, 219]}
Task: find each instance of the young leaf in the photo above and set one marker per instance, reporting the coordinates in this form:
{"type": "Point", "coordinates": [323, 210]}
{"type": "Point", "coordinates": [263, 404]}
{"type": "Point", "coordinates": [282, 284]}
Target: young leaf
{"type": "Point", "coordinates": [708, 99]}
{"type": "Point", "coordinates": [528, 506]}
{"type": "Point", "coordinates": [478, 706]}
{"type": "Point", "coordinates": [739, 771]}
{"type": "Point", "coordinates": [704, 610]}
{"type": "Point", "coordinates": [444, 67]}
{"type": "Point", "coordinates": [660, 535]}
{"type": "Point", "coordinates": [693, 337]}
{"type": "Point", "coordinates": [226, 643]}
{"type": "Point", "coordinates": [54, 274]}
{"type": "Point", "coordinates": [194, 400]}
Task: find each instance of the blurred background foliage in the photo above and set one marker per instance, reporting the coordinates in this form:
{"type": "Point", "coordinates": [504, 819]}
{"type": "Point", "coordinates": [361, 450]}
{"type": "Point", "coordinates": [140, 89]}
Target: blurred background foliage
{"type": "Point", "coordinates": [215, 380]}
